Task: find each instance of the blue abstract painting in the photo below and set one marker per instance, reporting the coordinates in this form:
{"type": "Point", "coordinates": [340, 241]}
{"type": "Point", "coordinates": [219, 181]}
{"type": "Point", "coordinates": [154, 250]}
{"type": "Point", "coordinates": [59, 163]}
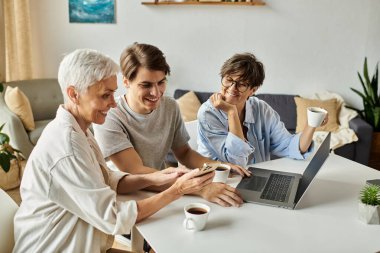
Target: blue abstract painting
{"type": "Point", "coordinates": [92, 11]}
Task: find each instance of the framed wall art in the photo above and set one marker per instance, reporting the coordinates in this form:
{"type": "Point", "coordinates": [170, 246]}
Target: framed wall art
{"type": "Point", "coordinates": [92, 11]}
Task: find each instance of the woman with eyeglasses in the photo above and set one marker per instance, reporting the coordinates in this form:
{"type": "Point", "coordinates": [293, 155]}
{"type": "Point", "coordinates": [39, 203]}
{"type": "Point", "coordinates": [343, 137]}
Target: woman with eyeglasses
{"type": "Point", "coordinates": [236, 127]}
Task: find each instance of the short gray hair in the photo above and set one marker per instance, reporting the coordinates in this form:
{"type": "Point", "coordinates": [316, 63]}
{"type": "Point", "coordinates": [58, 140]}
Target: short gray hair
{"type": "Point", "coordinates": [83, 68]}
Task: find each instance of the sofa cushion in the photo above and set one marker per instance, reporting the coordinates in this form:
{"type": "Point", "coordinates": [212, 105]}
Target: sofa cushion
{"type": "Point", "coordinates": [288, 113]}
{"type": "Point", "coordinates": [331, 105]}
{"type": "Point", "coordinates": [45, 96]}
{"type": "Point", "coordinates": [36, 133]}
{"type": "Point", "coordinates": [19, 104]}
{"type": "Point", "coordinates": [189, 105]}
{"type": "Point", "coordinates": [202, 96]}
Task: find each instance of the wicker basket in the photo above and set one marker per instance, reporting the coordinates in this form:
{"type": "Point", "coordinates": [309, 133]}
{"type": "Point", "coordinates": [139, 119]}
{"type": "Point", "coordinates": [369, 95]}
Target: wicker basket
{"type": "Point", "coordinates": [10, 179]}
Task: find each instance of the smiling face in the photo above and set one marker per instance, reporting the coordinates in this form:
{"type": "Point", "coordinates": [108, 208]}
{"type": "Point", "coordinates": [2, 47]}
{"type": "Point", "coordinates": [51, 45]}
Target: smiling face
{"type": "Point", "coordinates": [94, 103]}
{"type": "Point", "coordinates": [232, 94]}
{"type": "Point", "coordinates": [145, 90]}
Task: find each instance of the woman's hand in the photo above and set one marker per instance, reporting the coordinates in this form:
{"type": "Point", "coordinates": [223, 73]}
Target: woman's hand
{"type": "Point", "coordinates": [188, 183]}
{"type": "Point", "coordinates": [239, 170]}
{"type": "Point", "coordinates": [167, 176]}
{"type": "Point", "coordinates": [218, 102]}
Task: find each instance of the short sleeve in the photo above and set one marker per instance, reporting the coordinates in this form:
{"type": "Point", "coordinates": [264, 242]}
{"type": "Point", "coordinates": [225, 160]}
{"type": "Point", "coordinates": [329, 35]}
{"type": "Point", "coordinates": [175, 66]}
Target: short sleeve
{"type": "Point", "coordinates": [112, 136]}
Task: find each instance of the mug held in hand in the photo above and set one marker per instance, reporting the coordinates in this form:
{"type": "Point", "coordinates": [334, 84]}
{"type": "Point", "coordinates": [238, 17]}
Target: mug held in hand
{"type": "Point", "coordinates": [315, 116]}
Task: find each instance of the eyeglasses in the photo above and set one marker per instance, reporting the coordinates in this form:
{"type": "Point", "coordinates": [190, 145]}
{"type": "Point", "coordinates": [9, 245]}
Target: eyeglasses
{"type": "Point", "coordinates": [240, 86]}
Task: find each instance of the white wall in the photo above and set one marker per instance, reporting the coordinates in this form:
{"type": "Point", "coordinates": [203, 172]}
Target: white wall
{"type": "Point", "coordinates": [306, 45]}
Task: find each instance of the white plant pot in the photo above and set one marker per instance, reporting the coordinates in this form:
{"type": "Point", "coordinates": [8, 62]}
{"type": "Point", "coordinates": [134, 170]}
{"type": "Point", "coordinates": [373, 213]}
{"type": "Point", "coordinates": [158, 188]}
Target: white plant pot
{"type": "Point", "coordinates": [369, 214]}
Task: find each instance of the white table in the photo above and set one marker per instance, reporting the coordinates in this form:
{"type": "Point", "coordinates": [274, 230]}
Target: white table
{"type": "Point", "coordinates": [327, 220]}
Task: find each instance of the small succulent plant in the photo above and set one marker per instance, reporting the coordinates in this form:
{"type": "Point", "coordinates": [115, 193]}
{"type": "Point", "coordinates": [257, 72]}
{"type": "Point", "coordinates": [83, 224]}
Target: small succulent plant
{"type": "Point", "coordinates": [370, 195]}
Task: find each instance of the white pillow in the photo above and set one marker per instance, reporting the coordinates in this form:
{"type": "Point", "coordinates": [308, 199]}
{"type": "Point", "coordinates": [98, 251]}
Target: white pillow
{"type": "Point", "coordinates": [192, 129]}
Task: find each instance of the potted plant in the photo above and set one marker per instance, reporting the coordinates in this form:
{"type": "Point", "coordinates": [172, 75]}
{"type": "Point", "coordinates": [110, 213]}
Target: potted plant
{"type": "Point", "coordinates": [369, 206]}
{"type": "Point", "coordinates": [371, 109]}
{"type": "Point", "coordinates": [370, 97]}
{"type": "Point", "coordinates": [9, 163]}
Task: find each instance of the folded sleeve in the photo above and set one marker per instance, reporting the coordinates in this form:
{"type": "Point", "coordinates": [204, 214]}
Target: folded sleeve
{"type": "Point", "coordinates": [112, 136]}
{"type": "Point", "coordinates": [283, 143]}
{"type": "Point", "coordinates": [214, 139]}
{"type": "Point", "coordinates": [294, 150]}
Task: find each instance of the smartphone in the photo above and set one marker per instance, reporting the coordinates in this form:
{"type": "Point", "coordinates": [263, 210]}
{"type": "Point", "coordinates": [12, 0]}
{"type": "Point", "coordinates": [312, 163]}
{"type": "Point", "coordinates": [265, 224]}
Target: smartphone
{"type": "Point", "coordinates": [207, 168]}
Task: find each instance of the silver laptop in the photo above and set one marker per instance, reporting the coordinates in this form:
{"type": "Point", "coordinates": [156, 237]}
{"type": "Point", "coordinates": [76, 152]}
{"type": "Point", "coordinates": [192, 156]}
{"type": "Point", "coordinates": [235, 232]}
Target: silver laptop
{"type": "Point", "coordinates": [282, 189]}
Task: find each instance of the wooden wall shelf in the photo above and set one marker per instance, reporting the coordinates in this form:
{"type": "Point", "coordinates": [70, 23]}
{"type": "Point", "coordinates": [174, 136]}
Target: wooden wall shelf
{"type": "Point", "coordinates": [203, 3]}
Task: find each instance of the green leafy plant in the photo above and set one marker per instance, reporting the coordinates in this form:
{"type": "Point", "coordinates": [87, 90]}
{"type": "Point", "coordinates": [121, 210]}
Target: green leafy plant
{"type": "Point", "coordinates": [7, 153]}
{"type": "Point", "coordinates": [370, 97]}
{"type": "Point", "coordinates": [1, 87]}
{"type": "Point", "coordinates": [370, 195]}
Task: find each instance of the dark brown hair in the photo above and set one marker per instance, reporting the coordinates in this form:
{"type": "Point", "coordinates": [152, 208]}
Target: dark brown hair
{"type": "Point", "coordinates": [247, 67]}
{"type": "Point", "coordinates": [142, 55]}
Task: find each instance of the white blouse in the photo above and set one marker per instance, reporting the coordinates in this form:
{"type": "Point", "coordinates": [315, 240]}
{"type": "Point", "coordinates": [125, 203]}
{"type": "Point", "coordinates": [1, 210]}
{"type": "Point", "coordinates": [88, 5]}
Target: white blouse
{"type": "Point", "coordinates": [69, 194]}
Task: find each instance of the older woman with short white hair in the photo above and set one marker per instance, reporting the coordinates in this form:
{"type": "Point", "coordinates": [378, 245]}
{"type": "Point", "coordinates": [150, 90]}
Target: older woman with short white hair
{"type": "Point", "coordinates": [68, 193]}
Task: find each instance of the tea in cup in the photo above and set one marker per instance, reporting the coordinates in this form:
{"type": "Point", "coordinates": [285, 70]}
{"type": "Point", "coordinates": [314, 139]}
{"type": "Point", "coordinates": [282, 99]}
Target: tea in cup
{"type": "Point", "coordinates": [221, 173]}
{"type": "Point", "coordinates": [196, 216]}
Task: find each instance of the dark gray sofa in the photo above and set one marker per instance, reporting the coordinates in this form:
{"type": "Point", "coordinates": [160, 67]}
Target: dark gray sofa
{"type": "Point", "coordinates": [285, 106]}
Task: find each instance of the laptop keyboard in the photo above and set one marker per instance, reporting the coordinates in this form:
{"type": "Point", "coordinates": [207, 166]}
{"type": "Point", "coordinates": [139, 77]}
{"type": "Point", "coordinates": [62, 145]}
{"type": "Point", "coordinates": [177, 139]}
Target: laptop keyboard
{"type": "Point", "coordinates": [277, 187]}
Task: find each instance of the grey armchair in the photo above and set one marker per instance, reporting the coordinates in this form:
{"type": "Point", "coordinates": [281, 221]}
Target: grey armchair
{"type": "Point", "coordinates": [45, 96]}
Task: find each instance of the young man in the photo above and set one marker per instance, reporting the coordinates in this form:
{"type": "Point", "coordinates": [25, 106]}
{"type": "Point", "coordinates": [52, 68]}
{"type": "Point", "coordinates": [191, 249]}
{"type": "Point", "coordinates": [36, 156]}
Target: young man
{"type": "Point", "coordinates": [145, 125]}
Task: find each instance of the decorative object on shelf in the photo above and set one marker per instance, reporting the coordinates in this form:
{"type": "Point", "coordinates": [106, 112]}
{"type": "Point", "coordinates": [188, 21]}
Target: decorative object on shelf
{"type": "Point", "coordinates": [214, 1]}
{"type": "Point", "coordinates": [205, 2]}
{"type": "Point", "coordinates": [371, 109]}
{"type": "Point", "coordinates": [369, 206]}
{"type": "Point", "coordinates": [9, 163]}
{"type": "Point", "coordinates": [95, 11]}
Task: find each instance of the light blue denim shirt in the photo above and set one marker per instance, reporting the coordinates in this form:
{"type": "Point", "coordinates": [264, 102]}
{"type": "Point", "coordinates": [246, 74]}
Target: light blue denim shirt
{"type": "Point", "coordinates": [266, 135]}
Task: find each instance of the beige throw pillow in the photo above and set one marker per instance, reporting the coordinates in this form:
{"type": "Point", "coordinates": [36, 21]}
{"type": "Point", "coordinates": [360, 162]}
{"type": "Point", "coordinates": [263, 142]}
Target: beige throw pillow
{"type": "Point", "coordinates": [189, 105]}
{"type": "Point", "coordinates": [331, 105]}
{"type": "Point", "coordinates": [19, 104]}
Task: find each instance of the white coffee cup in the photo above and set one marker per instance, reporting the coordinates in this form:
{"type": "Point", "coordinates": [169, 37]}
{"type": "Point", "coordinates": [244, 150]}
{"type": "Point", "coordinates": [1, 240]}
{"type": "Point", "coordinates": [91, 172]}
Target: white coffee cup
{"type": "Point", "coordinates": [196, 216]}
{"type": "Point", "coordinates": [221, 173]}
{"type": "Point", "coordinates": [315, 116]}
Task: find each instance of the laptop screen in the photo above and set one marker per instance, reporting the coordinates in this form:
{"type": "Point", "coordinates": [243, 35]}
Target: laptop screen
{"type": "Point", "coordinates": [313, 167]}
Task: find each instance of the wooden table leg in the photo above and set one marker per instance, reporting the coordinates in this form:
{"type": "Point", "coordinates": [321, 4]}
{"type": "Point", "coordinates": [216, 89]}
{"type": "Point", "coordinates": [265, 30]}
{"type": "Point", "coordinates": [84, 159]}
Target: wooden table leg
{"type": "Point", "coordinates": [137, 241]}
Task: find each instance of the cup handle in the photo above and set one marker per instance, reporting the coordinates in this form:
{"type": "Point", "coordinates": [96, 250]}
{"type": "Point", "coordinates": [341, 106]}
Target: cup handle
{"type": "Point", "coordinates": [189, 224]}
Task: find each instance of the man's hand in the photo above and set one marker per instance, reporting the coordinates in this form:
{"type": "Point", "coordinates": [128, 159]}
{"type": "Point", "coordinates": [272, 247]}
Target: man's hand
{"type": "Point", "coordinates": [239, 170]}
{"type": "Point", "coordinates": [190, 183]}
{"type": "Point", "coordinates": [221, 194]}
{"type": "Point", "coordinates": [167, 176]}
{"type": "Point", "coordinates": [218, 102]}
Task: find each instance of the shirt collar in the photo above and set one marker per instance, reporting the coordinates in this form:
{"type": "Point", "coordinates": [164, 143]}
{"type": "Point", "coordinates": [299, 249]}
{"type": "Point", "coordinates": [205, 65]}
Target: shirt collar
{"type": "Point", "coordinates": [67, 118]}
{"type": "Point", "coordinates": [249, 110]}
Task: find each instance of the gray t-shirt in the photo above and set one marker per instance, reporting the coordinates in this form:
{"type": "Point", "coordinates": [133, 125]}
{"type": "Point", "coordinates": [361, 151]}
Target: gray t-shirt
{"type": "Point", "coordinates": [151, 135]}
